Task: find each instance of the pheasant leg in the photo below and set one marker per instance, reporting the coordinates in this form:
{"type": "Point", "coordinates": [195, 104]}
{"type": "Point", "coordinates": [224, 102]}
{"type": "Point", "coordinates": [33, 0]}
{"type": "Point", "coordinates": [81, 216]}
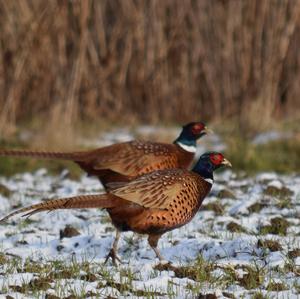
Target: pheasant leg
{"type": "Point", "coordinates": [113, 251]}
{"type": "Point", "coordinates": [153, 240]}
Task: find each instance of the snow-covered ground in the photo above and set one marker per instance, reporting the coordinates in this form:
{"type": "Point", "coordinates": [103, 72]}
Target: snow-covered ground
{"type": "Point", "coordinates": [243, 243]}
{"type": "Point", "coordinates": [226, 240]}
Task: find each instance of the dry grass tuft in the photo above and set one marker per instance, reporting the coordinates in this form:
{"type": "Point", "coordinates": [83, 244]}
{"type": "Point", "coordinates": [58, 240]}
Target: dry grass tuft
{"type": "Point", "coordinates": [128, 61]}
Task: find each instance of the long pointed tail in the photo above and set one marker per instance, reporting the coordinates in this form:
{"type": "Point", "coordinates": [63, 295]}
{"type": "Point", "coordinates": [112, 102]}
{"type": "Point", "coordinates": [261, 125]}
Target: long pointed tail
{"type": "Point", "coordinates": [43, 154]}
{"type": "Point", "coordinates": [76, 202]}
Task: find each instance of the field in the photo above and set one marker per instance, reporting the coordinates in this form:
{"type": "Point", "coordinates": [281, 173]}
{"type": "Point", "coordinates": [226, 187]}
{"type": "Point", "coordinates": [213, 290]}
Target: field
{"type": "Point", "coordinates": [85, 74]}
{"type": "Point", "coordinates": [243, 243]}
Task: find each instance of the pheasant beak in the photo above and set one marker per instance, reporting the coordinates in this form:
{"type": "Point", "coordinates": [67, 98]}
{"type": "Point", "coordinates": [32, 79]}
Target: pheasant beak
{"type": "Point", "coordinates": [225, 162]}
{"type": "Point", "coordinates": [206, 130]}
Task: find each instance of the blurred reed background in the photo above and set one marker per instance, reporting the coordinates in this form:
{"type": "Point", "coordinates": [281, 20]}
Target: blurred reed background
{"type": "Point", "coordinates": [139, 61]}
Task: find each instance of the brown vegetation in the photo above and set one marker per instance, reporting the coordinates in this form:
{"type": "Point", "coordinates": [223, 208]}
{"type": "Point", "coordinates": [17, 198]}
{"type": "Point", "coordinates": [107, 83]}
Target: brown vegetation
{"type": "Point", "coordinates": [127, 60]}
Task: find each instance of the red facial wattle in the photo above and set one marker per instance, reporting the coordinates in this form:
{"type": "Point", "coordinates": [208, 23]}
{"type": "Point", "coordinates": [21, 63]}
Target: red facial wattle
{"type": "Point", "coordinates": [216, 159]}
{"type": "Point", "coordinates": [197, 128]}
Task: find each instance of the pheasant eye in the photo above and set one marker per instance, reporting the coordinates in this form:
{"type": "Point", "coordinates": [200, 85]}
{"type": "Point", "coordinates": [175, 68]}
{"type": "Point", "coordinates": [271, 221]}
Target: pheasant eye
{"type": "Point", "coordinates": [216, 159]}
{"type": "Point", "coordinates": [197, 128]}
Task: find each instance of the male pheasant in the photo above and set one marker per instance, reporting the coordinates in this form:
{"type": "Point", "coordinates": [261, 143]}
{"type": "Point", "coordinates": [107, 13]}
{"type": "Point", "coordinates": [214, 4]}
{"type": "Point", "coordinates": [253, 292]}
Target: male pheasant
{"type": "Point", "coordinates": [151, 204]}
{"type": "Point", "coordinates": [122, 162]}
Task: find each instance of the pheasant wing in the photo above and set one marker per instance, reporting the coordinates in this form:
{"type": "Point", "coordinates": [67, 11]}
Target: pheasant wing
{"type": "Point", "coordinates": [156, 189]}
{"type": "Point", "coordinates": [135, 158]}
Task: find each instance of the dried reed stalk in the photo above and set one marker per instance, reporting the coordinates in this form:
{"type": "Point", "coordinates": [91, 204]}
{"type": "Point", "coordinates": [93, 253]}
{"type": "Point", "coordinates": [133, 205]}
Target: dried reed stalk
{"type": "Point", "coordinates": [149, 61]}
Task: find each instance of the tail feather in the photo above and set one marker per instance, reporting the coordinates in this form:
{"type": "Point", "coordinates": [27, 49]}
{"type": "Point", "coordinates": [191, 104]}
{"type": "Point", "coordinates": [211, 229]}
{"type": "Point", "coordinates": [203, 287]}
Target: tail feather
{"type": "Point", "coordinates": [43, 154]}
{"type": "Point", "coordinates": [76, 202]}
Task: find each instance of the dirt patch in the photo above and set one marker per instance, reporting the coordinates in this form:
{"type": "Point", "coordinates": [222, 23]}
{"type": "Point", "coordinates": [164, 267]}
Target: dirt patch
{"type": "Point", "coordinates": [272, 245]}
{"type": "Point", "coordinates": [50, 296]}
{"type": "Point", "coordinates": [68, 232]}
{"type": "Point", "coordinates": [5, 191]}
{"type": "Point", "coordinates": [207, 296]}
{"type": "Point", "coordinates": [235, 227]}
{"type": "Point", "coordinates": [292, 254]}
{"type": "Point", "coordinates": [252, 280]}
{"type": "Point", "coordinates": [257, 207]}
{"type": "Point", "coordinates": [89, 277]}
{"type": "Point", "coordinates": [226, 193]}
{"type": "Point", "coordinates": [278, 226]}
{"type": "Point", "coordinates": [278, 192]}
{"type": "Point", "coordinates": [277, 287]}
{"type": "Point", "coordinates": [213, 206]}
{"type": "Point", "coordinates": [198, 272]}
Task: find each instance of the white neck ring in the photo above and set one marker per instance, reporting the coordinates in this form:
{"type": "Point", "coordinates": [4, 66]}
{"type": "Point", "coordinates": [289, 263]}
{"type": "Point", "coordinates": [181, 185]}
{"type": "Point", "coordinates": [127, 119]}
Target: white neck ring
{"type": "Point", "coordinates": [188, 148]}
{"type": "Point", "coordinates": [211, 181]}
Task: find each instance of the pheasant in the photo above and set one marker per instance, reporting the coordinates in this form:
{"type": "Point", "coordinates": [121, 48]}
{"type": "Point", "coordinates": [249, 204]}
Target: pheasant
{"type": "Point", "coordinates": [152, 204]}
{"type": "Point", "coordinates": [122, 162]}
